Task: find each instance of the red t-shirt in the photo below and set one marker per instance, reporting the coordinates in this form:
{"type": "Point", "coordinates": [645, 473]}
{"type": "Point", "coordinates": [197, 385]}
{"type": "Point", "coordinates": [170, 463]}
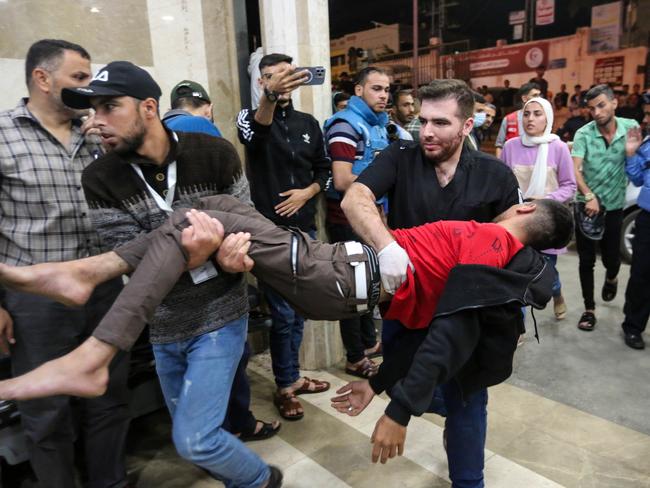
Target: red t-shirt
{"type": "Point", "coordinates": [434, 249]}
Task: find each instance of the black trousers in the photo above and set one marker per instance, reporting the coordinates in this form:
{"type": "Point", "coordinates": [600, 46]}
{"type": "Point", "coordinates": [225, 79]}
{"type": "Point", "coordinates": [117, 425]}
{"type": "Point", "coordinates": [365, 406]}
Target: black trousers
{"type": "Point", "coordinates": [46, 330]}
{"type": "Point", "coordinates": [357, 333]}
{"type": "Point", "coordinates": [637, 293]}
{"type": "Point", "coordinates": [609, 253]}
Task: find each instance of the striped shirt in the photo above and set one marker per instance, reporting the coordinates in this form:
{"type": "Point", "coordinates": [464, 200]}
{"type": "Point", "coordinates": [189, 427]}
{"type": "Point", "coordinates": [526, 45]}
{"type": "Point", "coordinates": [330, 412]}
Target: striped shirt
{"type": "Point", "coordinates": [44, 211]}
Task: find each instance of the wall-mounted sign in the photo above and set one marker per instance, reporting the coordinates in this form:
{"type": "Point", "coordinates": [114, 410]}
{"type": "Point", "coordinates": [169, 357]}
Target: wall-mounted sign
{"type": "Point", "coordinates": [544, 12]}
{"type": "Point", "coordinates": [517, 17]}
{"type": "Point", "coordinates": [519, 58]}
{"type": "Point", "coordinates": [605, 27]}
{"type": "Point", "coordinates": [609, 70]}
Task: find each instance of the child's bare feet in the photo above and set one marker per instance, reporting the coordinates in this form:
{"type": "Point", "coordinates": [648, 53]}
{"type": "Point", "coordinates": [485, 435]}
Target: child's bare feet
{"type": "Point", "coordinates": [82, 372]}
{"type": "Point", "coordinates": [68, 282]}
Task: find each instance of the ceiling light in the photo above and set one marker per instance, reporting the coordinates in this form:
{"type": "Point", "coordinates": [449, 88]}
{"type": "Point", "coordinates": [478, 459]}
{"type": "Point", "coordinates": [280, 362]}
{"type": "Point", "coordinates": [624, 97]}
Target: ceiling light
{"type": "Point", "coordinates": [167, 18]}
{"type": "Point", "coordinates": [94, 10]}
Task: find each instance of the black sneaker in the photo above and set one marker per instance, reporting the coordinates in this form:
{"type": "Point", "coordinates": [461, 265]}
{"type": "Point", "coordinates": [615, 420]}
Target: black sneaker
{"type": "Point", "coordinates": [275, 480]}
{"type": "Point", "coordinates": [634, 340]}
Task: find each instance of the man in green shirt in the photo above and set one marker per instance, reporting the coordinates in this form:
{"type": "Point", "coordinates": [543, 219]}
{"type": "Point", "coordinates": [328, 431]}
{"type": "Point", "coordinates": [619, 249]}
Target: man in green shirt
{"type": "Point", "coordinates": [599, 158]}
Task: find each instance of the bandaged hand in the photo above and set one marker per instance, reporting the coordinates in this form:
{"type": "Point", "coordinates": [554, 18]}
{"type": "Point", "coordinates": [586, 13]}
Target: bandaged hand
{"type": "Point", "coordinates": [393, 265]}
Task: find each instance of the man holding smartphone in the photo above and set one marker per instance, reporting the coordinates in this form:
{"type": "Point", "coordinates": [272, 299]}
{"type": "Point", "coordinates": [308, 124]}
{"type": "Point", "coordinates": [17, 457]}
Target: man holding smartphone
{"type": "Point", "coordinates": [287, 167]}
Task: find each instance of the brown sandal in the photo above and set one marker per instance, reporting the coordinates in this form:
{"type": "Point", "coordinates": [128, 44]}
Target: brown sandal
{"type": "Point", "coordinates": [365, 369]}
{"type": "Point", "coordinates": [319, 387]}
{"type": "Point", "coordinates": [285, 402]}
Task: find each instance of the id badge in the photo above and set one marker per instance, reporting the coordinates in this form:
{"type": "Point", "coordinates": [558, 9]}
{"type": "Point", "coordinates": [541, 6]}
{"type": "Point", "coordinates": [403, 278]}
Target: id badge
{"type": "Point", "coordinates": [203, 273]}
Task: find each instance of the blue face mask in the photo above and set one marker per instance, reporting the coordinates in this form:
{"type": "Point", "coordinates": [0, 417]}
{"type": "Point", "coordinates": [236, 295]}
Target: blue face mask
{"type": "Point", "coordinates": [479, 119]}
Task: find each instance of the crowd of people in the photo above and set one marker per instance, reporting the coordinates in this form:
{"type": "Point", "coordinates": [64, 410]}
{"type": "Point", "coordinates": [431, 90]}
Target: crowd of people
{"type": "Point", "coordinates": [414, 212]}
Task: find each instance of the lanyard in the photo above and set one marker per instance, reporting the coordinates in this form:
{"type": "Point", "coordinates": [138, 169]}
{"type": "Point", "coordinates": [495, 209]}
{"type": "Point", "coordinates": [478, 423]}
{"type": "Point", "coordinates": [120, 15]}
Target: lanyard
{"type": "Point", "coordinates": [165, 204]}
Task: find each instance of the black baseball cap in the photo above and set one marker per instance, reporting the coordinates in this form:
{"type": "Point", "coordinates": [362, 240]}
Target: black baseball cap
{"type": "Point", "coordinates": [188, 88]}
{"type": "Point", "coordinates": [119, 78]}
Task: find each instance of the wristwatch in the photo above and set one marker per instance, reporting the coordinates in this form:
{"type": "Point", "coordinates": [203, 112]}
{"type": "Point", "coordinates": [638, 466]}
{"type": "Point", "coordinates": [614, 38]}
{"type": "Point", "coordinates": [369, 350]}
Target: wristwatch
{"type": "Point", "coordinates": [589, 197]}
{"type": "Point", "coordinates": [270, 95]}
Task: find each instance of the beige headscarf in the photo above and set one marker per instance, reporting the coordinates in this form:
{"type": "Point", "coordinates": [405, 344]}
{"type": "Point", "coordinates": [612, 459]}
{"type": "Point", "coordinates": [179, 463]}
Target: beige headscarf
{"type": "Point", "coordinates": [537, 185]}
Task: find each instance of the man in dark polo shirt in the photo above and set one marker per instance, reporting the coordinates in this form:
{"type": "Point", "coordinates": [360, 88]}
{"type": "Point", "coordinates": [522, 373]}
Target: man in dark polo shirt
{"type": "Point", "coordinates": [435, 179]}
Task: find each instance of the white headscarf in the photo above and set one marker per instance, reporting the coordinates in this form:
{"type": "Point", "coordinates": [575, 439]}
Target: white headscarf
{"type": "Point", "coordinates": [537, 185]}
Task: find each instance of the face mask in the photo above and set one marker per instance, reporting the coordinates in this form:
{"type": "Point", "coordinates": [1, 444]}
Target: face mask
{"type": "Point", "coordinates": [479, 119]}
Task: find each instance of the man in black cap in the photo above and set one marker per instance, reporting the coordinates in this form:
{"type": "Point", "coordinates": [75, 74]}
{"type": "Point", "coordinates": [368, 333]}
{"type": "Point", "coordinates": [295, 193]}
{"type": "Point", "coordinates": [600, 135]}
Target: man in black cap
{"type": "Point", "coordinates": [191, 109]}
{"type": "Point", "coordinates": [43, 152]}
{"type": "Point", "coordinates": [198, 332]}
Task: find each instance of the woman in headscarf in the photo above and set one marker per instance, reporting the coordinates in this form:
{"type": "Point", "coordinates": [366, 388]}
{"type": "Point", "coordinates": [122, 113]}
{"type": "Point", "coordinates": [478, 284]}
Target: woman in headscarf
{"type": "Point", "coordinates": [544, 169]}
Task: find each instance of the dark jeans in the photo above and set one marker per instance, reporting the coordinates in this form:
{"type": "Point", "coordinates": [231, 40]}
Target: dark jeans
{"type": "Point", "coordinates": [609, 253]}
{"type": "Point", "coordinates": [285, 339]}
{"type": "Point", "coordinates": [465, 423]}
{"type": "Point", "coordinates": [46, 330]}
{"type": "Point", "coordinates": [637, 293]}
{"type": "Point", "coordinates": [357, 333]}
{"type": "Point", "coordinates": [239, 419]}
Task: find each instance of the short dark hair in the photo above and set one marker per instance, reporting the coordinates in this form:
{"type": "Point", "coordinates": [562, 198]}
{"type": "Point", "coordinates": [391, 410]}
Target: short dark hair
{"type": "Point", "coordinates": [599, 90]}
{"type": "Point", "coordinates": [478, 98]}
{"type": "Point", "coordinates": [526, 88]}
{"type": "Point", "coordinates": [362, 75]}
{"type": "Point", "coordinates": [273, 59]}
{"type": "Point", "coordinates": [401, 93]}
{"type": "Point", "coordinates": [189, 102]}
{"type": "Point", "coordinates": [450, 89]}
{"type": "Point", "coordinates": [552, 226]}
{"type": "Point", "coordinates": [47, 53]}
{"type": "Point", "coordinates": [341, 97]}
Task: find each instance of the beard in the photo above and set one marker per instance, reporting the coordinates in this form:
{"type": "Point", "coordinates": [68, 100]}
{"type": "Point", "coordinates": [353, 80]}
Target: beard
{"type": "Point", "coordinates": [447, 149]}
{"type": "Point", "coordinates": [132, 141]}
{"type": "Point", "coordinates": [62, 108]}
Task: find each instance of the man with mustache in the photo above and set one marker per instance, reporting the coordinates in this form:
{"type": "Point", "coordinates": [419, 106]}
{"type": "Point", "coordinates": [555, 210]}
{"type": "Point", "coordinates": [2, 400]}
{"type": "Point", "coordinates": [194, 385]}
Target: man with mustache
{"type": "Point", "coordinates": [433, 179]}
{"type": "Point", "coordinates": [43, 152]}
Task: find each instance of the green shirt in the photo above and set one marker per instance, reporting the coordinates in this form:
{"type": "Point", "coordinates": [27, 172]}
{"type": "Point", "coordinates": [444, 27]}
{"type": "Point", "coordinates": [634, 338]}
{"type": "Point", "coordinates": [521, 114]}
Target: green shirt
{"type": "Point", "coordinates": [603, 166]}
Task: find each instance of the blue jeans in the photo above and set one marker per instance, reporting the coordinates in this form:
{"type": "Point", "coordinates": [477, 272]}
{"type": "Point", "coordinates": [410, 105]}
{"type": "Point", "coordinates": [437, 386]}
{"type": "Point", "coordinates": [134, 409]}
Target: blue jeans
{"type": "Point", "coordinates": [285, 337]}
{"type": "Point", "coordinates": [196, 376]}
{"type": "Point", "coordinates": [557, 286]}
{"type": "Point", "coordinates": [465, 423]}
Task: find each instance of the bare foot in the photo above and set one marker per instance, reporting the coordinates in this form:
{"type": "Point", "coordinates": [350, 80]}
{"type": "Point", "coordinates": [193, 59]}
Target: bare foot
{"type": "Point", "coordinates": [69, 282]}
{"type": "Point", "coordinates": [82, 372]}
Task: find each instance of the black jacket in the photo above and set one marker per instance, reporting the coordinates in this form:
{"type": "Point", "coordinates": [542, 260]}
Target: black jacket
{"type": "Point", "coordinates": [288, 154]}
{"type": "Point", "coordinates": [472, 338]}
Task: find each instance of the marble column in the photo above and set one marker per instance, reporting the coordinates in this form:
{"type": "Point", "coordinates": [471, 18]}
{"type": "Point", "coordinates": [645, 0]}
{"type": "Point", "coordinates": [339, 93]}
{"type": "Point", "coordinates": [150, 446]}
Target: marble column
{"type": "Point", "coordinates": [300, 28]}
{"type": "Point", "coordinates": [195, 40]}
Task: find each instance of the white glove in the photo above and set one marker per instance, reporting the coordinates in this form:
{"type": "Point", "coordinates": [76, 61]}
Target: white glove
{"type": "Point", "coordinates": [393, 264]}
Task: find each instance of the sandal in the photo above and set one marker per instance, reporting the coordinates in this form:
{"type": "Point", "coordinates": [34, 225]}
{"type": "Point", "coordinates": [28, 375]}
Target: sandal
{"type": "Point", "coordinates": [377, 351]}
{"type": "Point", "coordinates": [365, 369]}
{"type": "Point", "coordinates": [319, 387]}
{"type": "Point", "coordinates": [609, 290]}
{"type": "Point", "coordinates": [587, 321]}
{"type": "Point", "coordinates": [265, 432]}
{"type": "Point", "coordinates": [285, 402]}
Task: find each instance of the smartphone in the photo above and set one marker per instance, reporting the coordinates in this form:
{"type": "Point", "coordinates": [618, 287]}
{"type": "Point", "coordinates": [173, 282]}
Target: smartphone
{"type": "Point", "coordinates": [316, 75]}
